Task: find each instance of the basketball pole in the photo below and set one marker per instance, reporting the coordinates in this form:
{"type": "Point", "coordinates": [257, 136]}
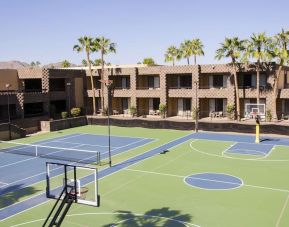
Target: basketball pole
{"type": "Point", "coordinates": [257, 140]}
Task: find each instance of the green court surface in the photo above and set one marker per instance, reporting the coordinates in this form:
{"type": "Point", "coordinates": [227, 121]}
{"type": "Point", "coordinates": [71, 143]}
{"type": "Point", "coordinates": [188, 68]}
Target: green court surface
{"type": "Point", "coordinates": [153, 192]}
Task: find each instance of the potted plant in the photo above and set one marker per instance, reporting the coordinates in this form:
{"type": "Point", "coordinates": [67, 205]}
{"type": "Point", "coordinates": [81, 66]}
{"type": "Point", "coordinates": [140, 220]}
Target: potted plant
{"type": "Point", "coordinates": [163, 110]}
{"type": "Point", "coordinates": [230, 111]}
{"type": "Point", "coordinates": [75, 112]}
{"type": "Point", "coordinates": [132, 111]}
{"type": "Point", "coordinates": [64, 114]}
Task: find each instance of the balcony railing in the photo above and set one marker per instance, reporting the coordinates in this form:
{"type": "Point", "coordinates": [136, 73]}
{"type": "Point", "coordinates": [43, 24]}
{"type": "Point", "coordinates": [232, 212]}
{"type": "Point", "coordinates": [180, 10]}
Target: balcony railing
{"type": "Point", "coordinates": [181, 87]}
{"type": "Point", "coordinates": [148, 88]}
{"type": "Point", "coordinates": [209, 87]}
{"type": "Point", "coordinates": [14, 92]}
{"type": "Point", "coordinates": [121, 88]}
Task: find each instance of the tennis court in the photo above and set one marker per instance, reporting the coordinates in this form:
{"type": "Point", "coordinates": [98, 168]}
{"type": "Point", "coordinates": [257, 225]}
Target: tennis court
{"type": "Point", "coordinates": [203, 179]}
{"type": "Point", "coordinates": [17, 158]}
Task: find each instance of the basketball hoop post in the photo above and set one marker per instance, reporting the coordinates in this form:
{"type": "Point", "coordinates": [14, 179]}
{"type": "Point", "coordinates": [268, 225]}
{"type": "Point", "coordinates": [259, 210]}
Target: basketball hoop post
{"type": "Point", "coordinates": [257, 140]}
{"type": "Point", "coordinates": [108, 84]}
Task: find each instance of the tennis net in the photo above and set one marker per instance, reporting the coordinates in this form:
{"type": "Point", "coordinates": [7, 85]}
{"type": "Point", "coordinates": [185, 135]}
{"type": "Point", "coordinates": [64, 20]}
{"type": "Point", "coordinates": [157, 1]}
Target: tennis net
{"type": "Point", "coordinates": [48, 152]}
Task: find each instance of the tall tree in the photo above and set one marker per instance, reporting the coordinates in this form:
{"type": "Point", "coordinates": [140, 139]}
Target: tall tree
{"type": "Point", "coordinates": [197, 49]}
{"type": "Point", "coordinates": [172, 54]}
{"type": "Point", "coordinates": [105, 46]}
{"type": "Point", "coordinates": [186, 49]}
{"type": "Point", "coordinates": [148, 61]}
{"type": "Point", "coordinates": [257, 48]}
{"type": "Point", "coordinates": [280, 52]}
{"type": "Point", "coordinates": [65, 64]}
{"type": "Point", "coordinates": [232, 48]}
{"type": "Point", "coordinates": [85, 43]}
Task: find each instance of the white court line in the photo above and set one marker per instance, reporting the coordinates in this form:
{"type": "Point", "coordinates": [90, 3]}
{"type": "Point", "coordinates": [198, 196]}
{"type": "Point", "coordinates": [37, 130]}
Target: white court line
{"type": "Point", "coordinates": [187, 224]}
{"type": "Point", "coordinates": [282, 212]}
{"type": "Point", "coordinates": [99, 178]}
{"type": "Point", "coordinates": [1, 182]}
{"type": "Point", "coordinates": [81, 133]}
{"type": "Point", "coordinates": [36, 174]}
{"type": "Point", "coordinates": [172, 175]}
{"type": "Point", "coordinates": [84, 144]}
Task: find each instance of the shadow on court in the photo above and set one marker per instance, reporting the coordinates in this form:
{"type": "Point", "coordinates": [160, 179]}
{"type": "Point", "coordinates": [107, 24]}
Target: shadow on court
{"type": "Point", "coordinates": [13, 194]}
{"type": "Point", "coordinates": [164, 217]}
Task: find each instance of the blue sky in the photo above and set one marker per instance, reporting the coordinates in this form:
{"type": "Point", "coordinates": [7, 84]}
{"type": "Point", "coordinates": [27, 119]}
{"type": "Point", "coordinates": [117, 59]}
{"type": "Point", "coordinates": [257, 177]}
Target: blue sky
{"type": "Point", "coordinates": [46, 30]}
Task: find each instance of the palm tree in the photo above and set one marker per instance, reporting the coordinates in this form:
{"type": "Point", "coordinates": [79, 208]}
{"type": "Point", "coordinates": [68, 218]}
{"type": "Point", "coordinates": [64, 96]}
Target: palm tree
{"type": "Point", "coordinates": [186, 50]}
{"type": "Point", "coordinates": [65, 64]}
{"type": "Point", "coordinates": [197, 49]}
{"type": "Point", "coordinates": [257, 47]}
{"type": "Point", "coordinates": [148, 61]}
{"type": "Point", "coordinates": [103, 45]}
{"type": "Point", "coordinates": [172, 54]}
{"type": "Point", "coordinates": [232, 48]}
{"type": "Point", "coordinates": [85, 44]}
{"type": "Point", "coordinates": [280, 52]}
{"type": "Point", "coordinates": [97, 62]}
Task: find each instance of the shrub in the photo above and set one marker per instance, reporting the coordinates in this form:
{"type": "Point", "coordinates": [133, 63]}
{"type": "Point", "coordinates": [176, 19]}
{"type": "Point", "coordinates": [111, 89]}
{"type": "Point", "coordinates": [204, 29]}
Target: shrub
{"type": "Point", "coordinates": [269, 115]}
{"type": "Point", "coordinates": [64, 115]}
{"type": "Point", "coordinates": [75, 112]}
{"type": "Point", "coordinates": [132, 110]}
{"type": "Point", "coordinates": [231, 111]}
{"type": "Point", "coordinates": [163, 110]}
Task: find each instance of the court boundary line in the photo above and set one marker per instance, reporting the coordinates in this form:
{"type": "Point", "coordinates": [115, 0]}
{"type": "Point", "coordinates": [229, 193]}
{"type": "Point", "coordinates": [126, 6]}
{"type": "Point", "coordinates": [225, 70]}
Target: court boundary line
{"type": "Point", "coordinates": [222, 155]}
{"type": "Point", "coordinates": [282, 212]}
{"type": "Point", "coordinates": [42, 203]}
{"type": "Point", "coordinates": [84, 144]}
{"type": "Point", "coordinates": [179, 176]}
{"type": "Point", "coordinates": [113, 213]}
{"type": "Point", "coordinates": [83, 133]}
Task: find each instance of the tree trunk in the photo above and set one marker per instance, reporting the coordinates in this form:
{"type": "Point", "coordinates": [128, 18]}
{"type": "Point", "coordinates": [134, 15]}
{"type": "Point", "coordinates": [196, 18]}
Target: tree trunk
{"type": "Point", "coordinates": [275, 91]}
{"type": "Point", "coordinates": [102, 78]}
{"type": "Point", "coordinates": [188, 61]}
{"type": "Point", "coordinates": [258, 82]}
{"type": "Point", "coordinates": [92, 84]}
{"type": "Point", "coordinates": [195, 59]}
{"type": "Point", "coordinates": [173, 62]}
{"type": "Point", "coordinates": [237, 92]}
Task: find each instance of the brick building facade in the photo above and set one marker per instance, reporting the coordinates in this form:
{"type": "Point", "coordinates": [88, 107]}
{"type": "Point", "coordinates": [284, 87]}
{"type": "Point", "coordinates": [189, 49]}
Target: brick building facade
{"type": "Point", "coordinates": [45, 93]}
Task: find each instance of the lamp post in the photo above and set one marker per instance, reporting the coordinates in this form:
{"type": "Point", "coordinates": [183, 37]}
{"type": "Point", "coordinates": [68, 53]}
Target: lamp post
{"type": "Point", "coordinates": [8, 110]}
{"type": "Point", "coordinates": [197, 108]}
{"type": "Point", "coordinates": [68, 92]}
{"type": "Point", "coordinates": [108, 84]}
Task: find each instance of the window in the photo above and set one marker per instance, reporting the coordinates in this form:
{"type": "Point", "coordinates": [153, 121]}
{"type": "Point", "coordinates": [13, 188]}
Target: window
{"type": "Point", "coordinates": [124, 82]}
{"type": "Point", "coordinates": [187, 104]}
{"type": "Point", "coordinates": [151, 81]}
{"type": "Point", "coordinates": [247, 79]}
{"type": "Point", "coordinates": [218, 104]}
{"type": "Point", "coordinates": [57, 84]}
{"type": "Point", "coordinates": [124, 103]}
{"type": "Point", "coordinates": [186, 81]}
{"type": "Point", "coordinates": [156, 104]}
{"type": "Point", "coordinates": [33, 109]}
{"type": "Point", "coordinates": [32, 85]}
{"type": "Point", "coordinates": [218, 81]}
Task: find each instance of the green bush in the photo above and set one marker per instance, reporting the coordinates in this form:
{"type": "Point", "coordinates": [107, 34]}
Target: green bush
{"type": "Point", "coordinates": [64, 115]}
{"type": "Point", "coordinates": [75, 112]}
{"type": "Point", "coordinates": [132, 110]}
{"type": "Point", "coordinates": [231, 111]}
{"type": "Point", "coordinates": [163, 110]}
{"type": "Point", "coordinates": [269, 115]}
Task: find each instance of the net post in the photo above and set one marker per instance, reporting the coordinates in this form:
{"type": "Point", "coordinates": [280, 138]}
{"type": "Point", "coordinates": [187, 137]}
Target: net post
{"type": "Point", "coordinates": [36, 151]}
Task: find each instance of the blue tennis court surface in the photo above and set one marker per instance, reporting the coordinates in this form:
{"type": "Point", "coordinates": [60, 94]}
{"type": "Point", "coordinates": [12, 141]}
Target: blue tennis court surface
{"type": "Point", "coordinates": [18, 171]}
{"type": "Point", "coordinates": [250, 149]}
